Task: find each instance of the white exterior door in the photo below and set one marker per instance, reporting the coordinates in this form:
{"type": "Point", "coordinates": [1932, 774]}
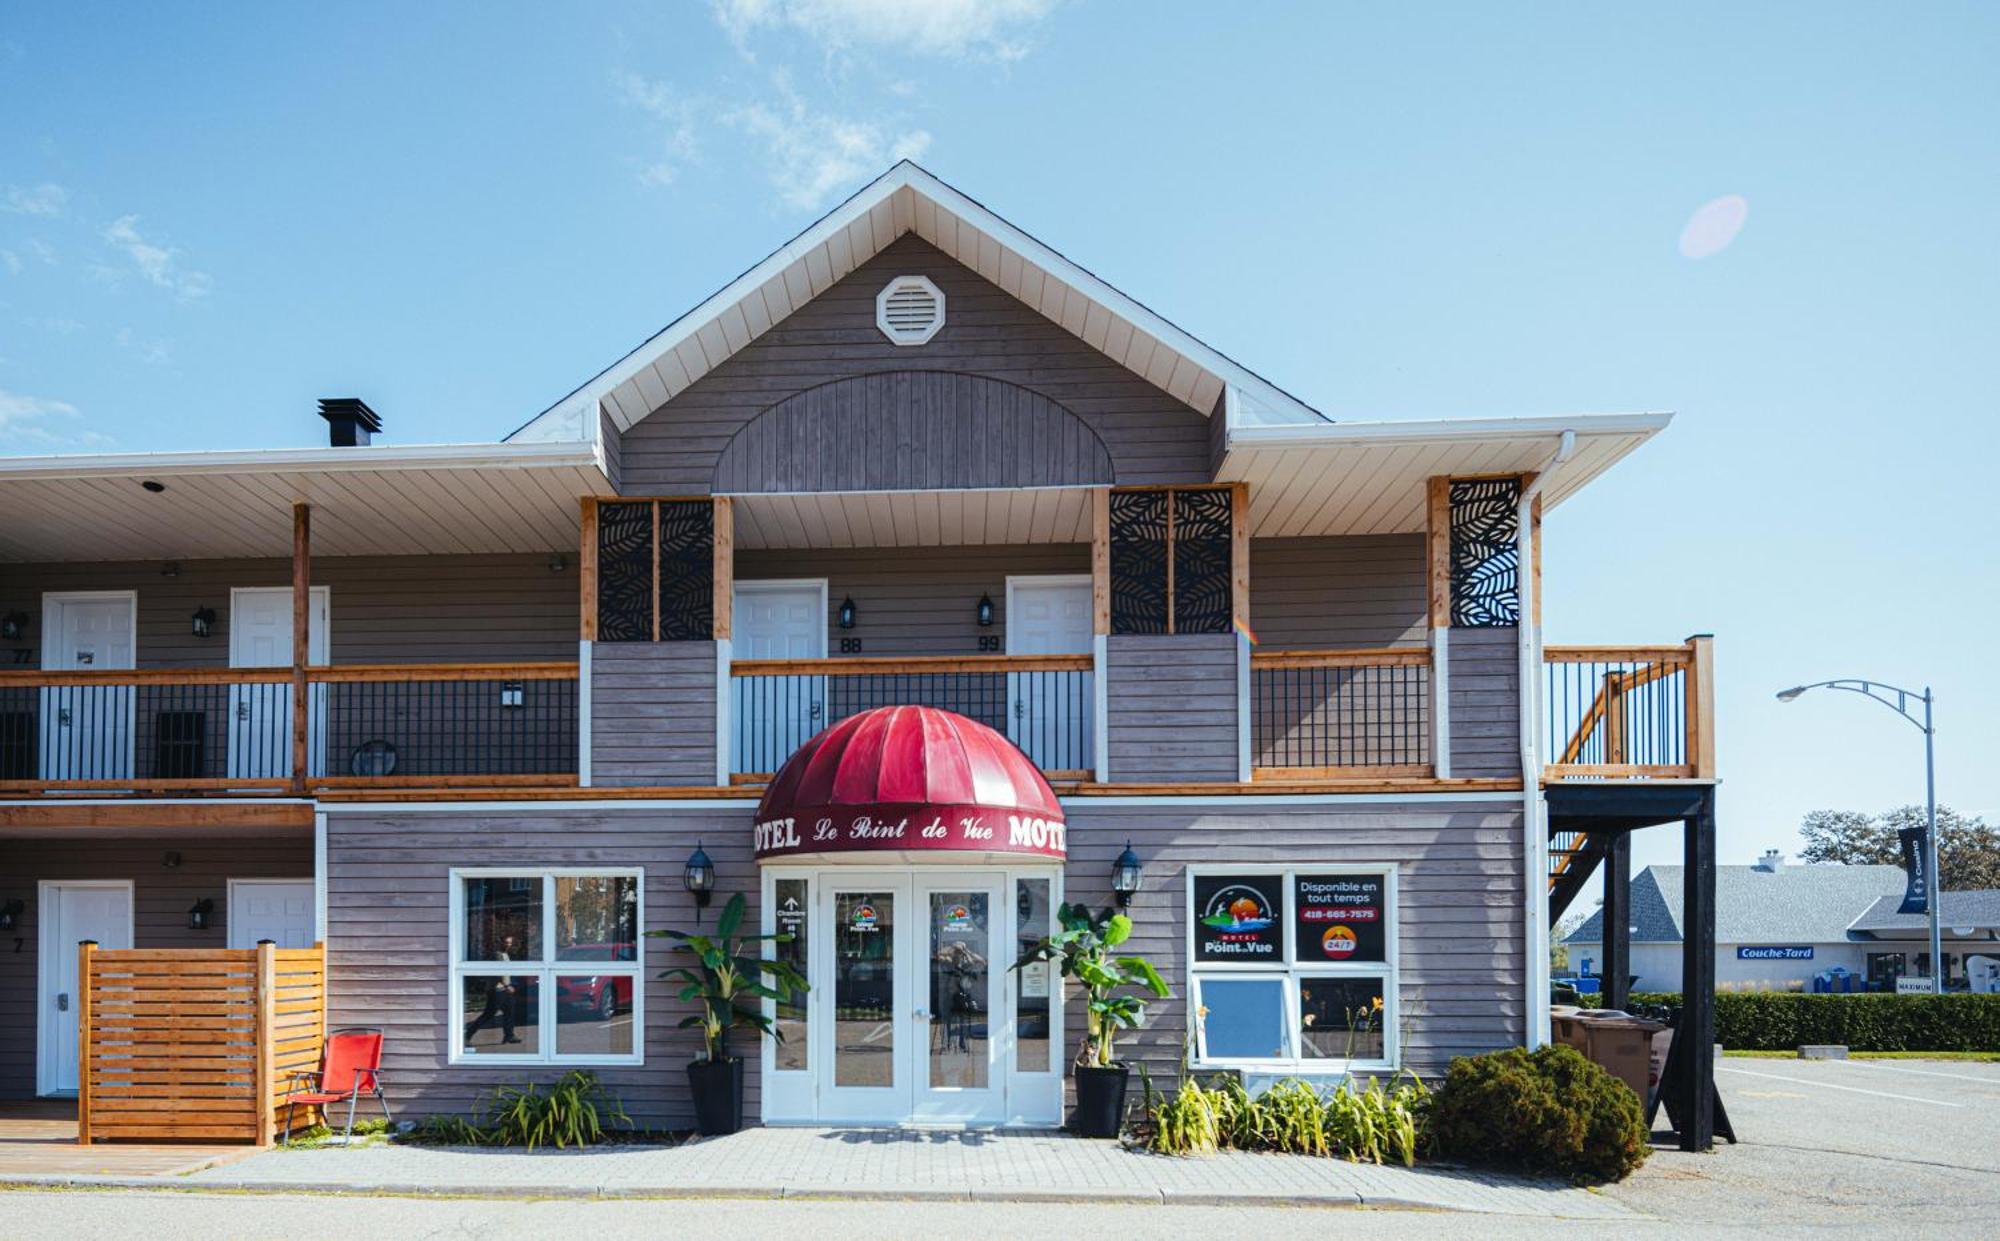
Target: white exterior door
{"type": "Point", "coordinates": [280, 910]}
{"type": "Point", "coordinates": [1050, 713]}
{"type": "Point", "coordinates": [71, 913]}
{"type": "Point", "coordinates": [260, 718]}
{"type": "Point", "coordinates": [87, 729]}
{"type": "Point", "coordinates": [870, 1021]}
{"type": "Point", "coordinates": [776, 714]}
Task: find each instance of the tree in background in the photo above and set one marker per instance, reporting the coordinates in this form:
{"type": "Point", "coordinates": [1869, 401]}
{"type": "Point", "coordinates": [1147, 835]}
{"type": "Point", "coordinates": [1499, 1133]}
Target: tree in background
{"type": "Point", "coordinates": [1968, 847]}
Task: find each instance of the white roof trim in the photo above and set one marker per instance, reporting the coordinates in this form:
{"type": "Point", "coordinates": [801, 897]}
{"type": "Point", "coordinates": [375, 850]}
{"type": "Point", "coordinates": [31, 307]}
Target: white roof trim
{"type": "Point", "coordinates": [525, 455]}
{"type": "Point", "coordinates": [906, 197]}
{"type": "Point", "coordinates": [1383, 434]}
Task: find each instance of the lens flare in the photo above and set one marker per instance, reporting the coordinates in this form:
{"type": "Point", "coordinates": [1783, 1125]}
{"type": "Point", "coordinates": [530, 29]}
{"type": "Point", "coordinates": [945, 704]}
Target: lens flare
{"type": "Point", "coordinates": [1714, 225]}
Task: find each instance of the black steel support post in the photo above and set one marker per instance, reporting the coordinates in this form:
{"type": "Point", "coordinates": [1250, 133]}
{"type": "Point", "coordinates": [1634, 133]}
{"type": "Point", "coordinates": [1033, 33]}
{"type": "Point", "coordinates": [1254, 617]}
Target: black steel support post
{"type": "Point", "coordinates": [1616, 968]}
{"type": "Point", "coordinates": [1696, 1033]}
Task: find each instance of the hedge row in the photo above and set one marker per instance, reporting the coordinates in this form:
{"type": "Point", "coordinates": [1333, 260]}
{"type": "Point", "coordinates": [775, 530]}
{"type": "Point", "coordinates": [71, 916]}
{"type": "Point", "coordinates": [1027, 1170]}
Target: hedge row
{"type": "Point", "coordinates": [1784, 1020]}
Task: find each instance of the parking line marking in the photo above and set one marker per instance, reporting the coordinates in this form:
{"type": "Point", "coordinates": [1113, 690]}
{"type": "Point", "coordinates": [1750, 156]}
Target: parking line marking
{"type": "Point", "coordinates": [1800, 1081]}
{"type": "Point", "coordinates": [1896, 1068]}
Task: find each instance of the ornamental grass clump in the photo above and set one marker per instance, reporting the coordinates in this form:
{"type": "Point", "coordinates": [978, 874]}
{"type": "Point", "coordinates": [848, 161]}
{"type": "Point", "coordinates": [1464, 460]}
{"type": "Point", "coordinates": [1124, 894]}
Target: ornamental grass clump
{"type": "Point", "coordinates": [1546, 1111]}
{"type": "Point", "coordinates": [1359, 1122]}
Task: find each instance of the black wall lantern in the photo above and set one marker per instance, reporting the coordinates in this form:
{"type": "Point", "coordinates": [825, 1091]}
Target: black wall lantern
{"type": "Point", "coordinates": [1125, 876]}
{"type": "Point", "coordinates": [10, 913]}
{"type": "Point", "coordinates": [199, 914]}
{"type": "Point", "coordinates": [204, 622]}
{"type": "Point", "coordinates": [699, 876]}
{"type": "Point", "coordinates": [847, 612]}
{"type": "Point", "coordinates": [14, 626]}
{"type": "Point", "coordinates": [986, 611]}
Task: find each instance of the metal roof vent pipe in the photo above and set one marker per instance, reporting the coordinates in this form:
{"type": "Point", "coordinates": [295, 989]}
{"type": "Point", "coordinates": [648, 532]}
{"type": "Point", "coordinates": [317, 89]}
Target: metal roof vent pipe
{"type": "Point", "coordinates": [349, 421]}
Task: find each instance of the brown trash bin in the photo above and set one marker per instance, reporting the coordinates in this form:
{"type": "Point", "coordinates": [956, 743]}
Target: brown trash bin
{"type": "Point", "coordinates": [1623, 1046]}
{"type": "Point", "coordinates": [1566, 1027]}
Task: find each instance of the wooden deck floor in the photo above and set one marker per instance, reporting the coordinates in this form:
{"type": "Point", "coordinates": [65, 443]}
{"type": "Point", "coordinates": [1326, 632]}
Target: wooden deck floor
{"type": "Point", "coordinates": [38, 1138]}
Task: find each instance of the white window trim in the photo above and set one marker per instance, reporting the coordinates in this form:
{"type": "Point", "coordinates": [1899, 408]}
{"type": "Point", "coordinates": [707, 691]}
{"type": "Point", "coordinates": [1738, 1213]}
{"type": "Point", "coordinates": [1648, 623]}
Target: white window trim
{"type": "Point", "coordinates": [547, 969]}
{"type": "Point", "coordinates": [1290, 970]}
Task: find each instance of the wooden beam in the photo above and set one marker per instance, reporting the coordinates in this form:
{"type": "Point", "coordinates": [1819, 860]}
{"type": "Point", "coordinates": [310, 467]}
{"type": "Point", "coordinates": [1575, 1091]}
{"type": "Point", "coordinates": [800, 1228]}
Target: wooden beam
{"type": "Point", "coordinates": [1437, 548]}
{"type": "Point", "coordinates": [1701, 706]}
{"type": "Point", "coordinates": [301, 637]}
{"type": "Point", "coordinates": [1239, 556]}
{"type": "Point", "coordinates": [1100, 560]}
{"type": "Point", "coordinates": [1535, 541]}
{"type": "Point", "coordinates": [725, 568]}
{"type": "Point", "coordinates": [587, 569]}
{"type": "Point", "coordinates": [143, 817]}
{"type": "Point", "coordinates": [875, 665]}
{"type": "Point", "coordinates": [267, 1010]}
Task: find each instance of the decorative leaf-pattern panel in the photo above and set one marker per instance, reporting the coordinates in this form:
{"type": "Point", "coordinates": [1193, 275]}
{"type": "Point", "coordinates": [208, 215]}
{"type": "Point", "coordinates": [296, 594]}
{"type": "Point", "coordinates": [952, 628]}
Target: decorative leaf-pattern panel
{"type": "Point", "coordinates": [687, 570]}
{"type": "Point", "coordinates": [1138, 562]}
{"type": "Point", "coordinates": [1201, 561]}
{"type": "Point", "coordinates": [624, 572]}
{"type": "Point", "coordinates": [1485, 559]}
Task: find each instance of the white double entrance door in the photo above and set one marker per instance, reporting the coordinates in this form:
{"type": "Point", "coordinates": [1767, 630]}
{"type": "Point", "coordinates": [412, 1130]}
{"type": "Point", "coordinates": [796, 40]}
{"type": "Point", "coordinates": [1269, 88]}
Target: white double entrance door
{"type": "Point", "coordinates": [915, 1015]}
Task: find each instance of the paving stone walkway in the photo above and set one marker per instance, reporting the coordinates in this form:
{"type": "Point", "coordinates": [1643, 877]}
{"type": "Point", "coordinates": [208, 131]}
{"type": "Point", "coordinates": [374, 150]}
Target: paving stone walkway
{"type": "Point", "coordinates": [906, 1164]}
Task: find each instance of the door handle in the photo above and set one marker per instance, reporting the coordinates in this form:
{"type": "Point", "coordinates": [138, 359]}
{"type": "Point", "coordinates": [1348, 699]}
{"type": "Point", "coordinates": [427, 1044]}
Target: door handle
{"type": "Point", "coordinates": [922, 1014]}
{"type": "Point", "coordinates": [62, 1002]}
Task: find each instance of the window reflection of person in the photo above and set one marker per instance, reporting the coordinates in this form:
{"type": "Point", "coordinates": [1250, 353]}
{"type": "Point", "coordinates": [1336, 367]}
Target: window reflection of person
{"type": "Point", "coordinates": [503, 999]}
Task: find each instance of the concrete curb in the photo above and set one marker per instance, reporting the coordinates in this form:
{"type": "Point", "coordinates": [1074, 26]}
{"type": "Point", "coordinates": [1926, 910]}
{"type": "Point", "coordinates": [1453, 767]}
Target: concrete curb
{"type": "Point", "coordinates": [1350, 1200]}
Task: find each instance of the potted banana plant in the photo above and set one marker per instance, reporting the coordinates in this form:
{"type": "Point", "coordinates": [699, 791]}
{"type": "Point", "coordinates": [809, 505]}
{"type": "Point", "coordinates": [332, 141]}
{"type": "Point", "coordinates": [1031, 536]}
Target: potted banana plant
{"type": "Point", "coordinates": [730, 979]}
{"type": "Point", "coordinates": [1083, 949]}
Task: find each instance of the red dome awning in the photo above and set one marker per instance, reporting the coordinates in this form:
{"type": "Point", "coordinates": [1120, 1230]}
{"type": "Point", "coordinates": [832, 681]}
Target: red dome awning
{"type": "Point", "coordinates": [909, 778]}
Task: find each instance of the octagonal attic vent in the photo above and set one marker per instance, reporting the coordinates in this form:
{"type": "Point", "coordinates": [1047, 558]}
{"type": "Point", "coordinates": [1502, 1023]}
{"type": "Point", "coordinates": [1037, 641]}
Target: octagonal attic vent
{"type": "Point", "coordinates": [910, 310]}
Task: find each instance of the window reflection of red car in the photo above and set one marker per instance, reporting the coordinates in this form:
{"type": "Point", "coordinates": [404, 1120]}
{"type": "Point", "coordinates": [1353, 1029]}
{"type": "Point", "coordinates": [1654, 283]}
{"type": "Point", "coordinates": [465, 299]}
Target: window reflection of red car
{"type": "Point", "coordinates": [603, 996]}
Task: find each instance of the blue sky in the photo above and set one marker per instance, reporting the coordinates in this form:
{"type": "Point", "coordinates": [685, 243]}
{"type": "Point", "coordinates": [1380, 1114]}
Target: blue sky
{"type": "Point", "coordinates": [212, 215]}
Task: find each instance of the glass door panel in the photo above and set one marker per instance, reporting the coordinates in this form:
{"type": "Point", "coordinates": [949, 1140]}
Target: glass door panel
{"type": "Point", "coordinates": [961, 959]}
{"type": "Point", "coordinates": [864, 989]}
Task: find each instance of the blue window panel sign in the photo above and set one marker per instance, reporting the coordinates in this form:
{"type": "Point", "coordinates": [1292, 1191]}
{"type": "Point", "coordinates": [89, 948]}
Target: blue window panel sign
{"type": "Point", "coordinates": [1748, 953]}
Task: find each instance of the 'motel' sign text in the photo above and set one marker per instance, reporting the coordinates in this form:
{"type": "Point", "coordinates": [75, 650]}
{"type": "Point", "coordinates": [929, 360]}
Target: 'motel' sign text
{"type": "Point", "coordinates": [923, 827]}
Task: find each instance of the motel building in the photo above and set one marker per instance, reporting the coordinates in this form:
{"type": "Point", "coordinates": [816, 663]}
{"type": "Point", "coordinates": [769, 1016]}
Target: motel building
{"type": "Point", "coordinates": [911, 585]}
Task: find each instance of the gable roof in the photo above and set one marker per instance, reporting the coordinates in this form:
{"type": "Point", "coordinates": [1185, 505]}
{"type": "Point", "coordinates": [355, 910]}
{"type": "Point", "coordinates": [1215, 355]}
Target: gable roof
{"type": "Point", "coordinates": [1794, 904]}
{"type": "Point", "coordinates": [908, 199]}
{"type": "Point", "coordinates": [1979, 910]}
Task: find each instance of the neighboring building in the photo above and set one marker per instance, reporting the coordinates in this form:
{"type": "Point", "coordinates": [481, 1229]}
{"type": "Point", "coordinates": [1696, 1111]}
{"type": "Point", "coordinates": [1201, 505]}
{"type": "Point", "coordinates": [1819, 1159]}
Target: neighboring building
{"type": "Point", "coordinates": [465, 712]}
{"type": "Point", "coordinates": [1779, 925]}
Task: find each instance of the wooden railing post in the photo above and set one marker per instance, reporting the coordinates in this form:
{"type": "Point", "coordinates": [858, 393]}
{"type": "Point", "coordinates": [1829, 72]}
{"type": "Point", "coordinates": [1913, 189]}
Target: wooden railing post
{"type": "Point", "coordinates": [587, 569]}
{"type": "Point", "coordinates": [1614, 717]}
{"type": "Point", "coordinates": [267, 999]}
{"type": "Point", "coordinates": [1701, 706]}
{"type": "Point", "coordinates": [85, 952]}
{"type": "Point", "coordinates": [724, 570]}
{"type": "Point", "coordinates": [1100, 561]}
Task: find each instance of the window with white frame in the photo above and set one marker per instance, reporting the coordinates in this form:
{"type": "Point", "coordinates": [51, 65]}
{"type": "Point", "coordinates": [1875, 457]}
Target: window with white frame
{"type": "Point", "coordinates": [547, 966]}
{"type": "Point", "coordinates": [1293, 969]}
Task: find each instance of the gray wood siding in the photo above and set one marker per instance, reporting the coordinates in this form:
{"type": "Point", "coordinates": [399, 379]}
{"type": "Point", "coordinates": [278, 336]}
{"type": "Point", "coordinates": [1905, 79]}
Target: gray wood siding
{"type": "Point", "coordinates": [901, 429]}
{"type": "Point", "coordinates": [1461, 925]}
{"type": "Point", "coordinates": [1461, 934]}
{"type": "Point", "coordinates": [1362, 591]}
{"type": "Point", "coordinates": [609, 435]}
{"type": "Point", "coordinates": [1171, 707]}
{"type": "Point", "coordinates": [652, 713]}
{"type": "Point", "coordinates": [389, 947]}
{"type": "Point", "coordinates": [916, 600]}
{"type": "Point", "coordinates": [1485, 702]}
{"type": "Point", "coordinates": [384, 609]}
{"type": "Point", "coordinates": [1152, 438]}
{"type": "Point", "coordinates": [161, 899]}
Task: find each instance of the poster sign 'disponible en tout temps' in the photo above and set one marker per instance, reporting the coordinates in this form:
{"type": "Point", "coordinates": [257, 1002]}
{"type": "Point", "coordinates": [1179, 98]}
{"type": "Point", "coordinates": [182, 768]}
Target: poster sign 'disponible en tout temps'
{"type": "Point", "coordinates": [1240, 919]}
{"type": "Point", "coordinates": [1342, 918]}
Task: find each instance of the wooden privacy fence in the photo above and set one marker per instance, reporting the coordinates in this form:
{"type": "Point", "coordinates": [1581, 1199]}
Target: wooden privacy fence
{"type": "Point", "coordinates": [195, 1043]}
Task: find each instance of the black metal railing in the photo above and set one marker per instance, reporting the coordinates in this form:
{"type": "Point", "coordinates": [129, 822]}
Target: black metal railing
{"type": "Point", "coordinates": [386, 723]}
{"type": "Point", "coordinates": [86, 728]}
{"type": "Point", "coordinates": [1044, 704]}
{"type": "Point", "coordinates": [1617, 710]}
{"type": "Point", "coordinates": [1325, 712]}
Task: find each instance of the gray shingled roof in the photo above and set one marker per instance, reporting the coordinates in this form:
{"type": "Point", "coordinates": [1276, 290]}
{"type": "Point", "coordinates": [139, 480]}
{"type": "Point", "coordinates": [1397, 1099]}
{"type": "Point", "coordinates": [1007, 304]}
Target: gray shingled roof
{"type": "Point", "coordinates": [1794, 904]}
{"type": "Point", "coordinates": [1959, 909]}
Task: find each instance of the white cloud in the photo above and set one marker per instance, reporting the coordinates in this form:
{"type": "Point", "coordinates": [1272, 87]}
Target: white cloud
{"type": "Point", "coordinates": [152, 353]}
{"type": "Point", "coordinates": [987, 29]}
{"type": "Point", "coordinates": [159, 264]}
{"type": "Point", "coordinates": [43, 200]}
{"type": "Point", "coordinates": [41, 250]}
{"type": "Point", "coordinates": [810, 155]}
{"type": "Point", "coordinates": [1714, 225]}
{"type": "Point", "coordinates": [11, 261]}
{"type": "Point", "coordinates": [39, 422]}
{"type": "Point", "coordinates": [679, 119]}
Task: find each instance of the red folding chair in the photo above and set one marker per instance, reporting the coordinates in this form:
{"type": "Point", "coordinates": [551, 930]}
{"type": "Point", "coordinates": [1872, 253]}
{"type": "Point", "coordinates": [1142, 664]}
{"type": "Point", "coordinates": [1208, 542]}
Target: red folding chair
{"type": "Point", "coordinates": [350, 1065]}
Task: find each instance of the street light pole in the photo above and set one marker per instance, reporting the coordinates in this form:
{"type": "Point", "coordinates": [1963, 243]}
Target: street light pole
{"type": "Point", "coordinates": [1900, 704]}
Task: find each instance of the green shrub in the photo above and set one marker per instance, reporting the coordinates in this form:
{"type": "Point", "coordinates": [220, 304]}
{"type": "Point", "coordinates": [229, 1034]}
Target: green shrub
{"type": "Point", "coordinates": [1874, 1021]}
{"type": "Point", "coordinates": [1549, 1110]}
{"type": "Point", "coordinates": [571, 1113]}
{"type": "Point", "coordinates": [1360, 1122]}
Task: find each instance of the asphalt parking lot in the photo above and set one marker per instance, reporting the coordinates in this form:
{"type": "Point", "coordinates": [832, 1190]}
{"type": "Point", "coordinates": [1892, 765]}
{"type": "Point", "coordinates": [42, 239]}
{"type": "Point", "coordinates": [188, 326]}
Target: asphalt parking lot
{"type": "Point", "coordinates": [1908, 1145]}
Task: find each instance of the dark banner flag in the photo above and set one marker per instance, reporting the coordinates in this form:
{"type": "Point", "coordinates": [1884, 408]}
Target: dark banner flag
{"type": "Point", "coordinates": [1916, 898]}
